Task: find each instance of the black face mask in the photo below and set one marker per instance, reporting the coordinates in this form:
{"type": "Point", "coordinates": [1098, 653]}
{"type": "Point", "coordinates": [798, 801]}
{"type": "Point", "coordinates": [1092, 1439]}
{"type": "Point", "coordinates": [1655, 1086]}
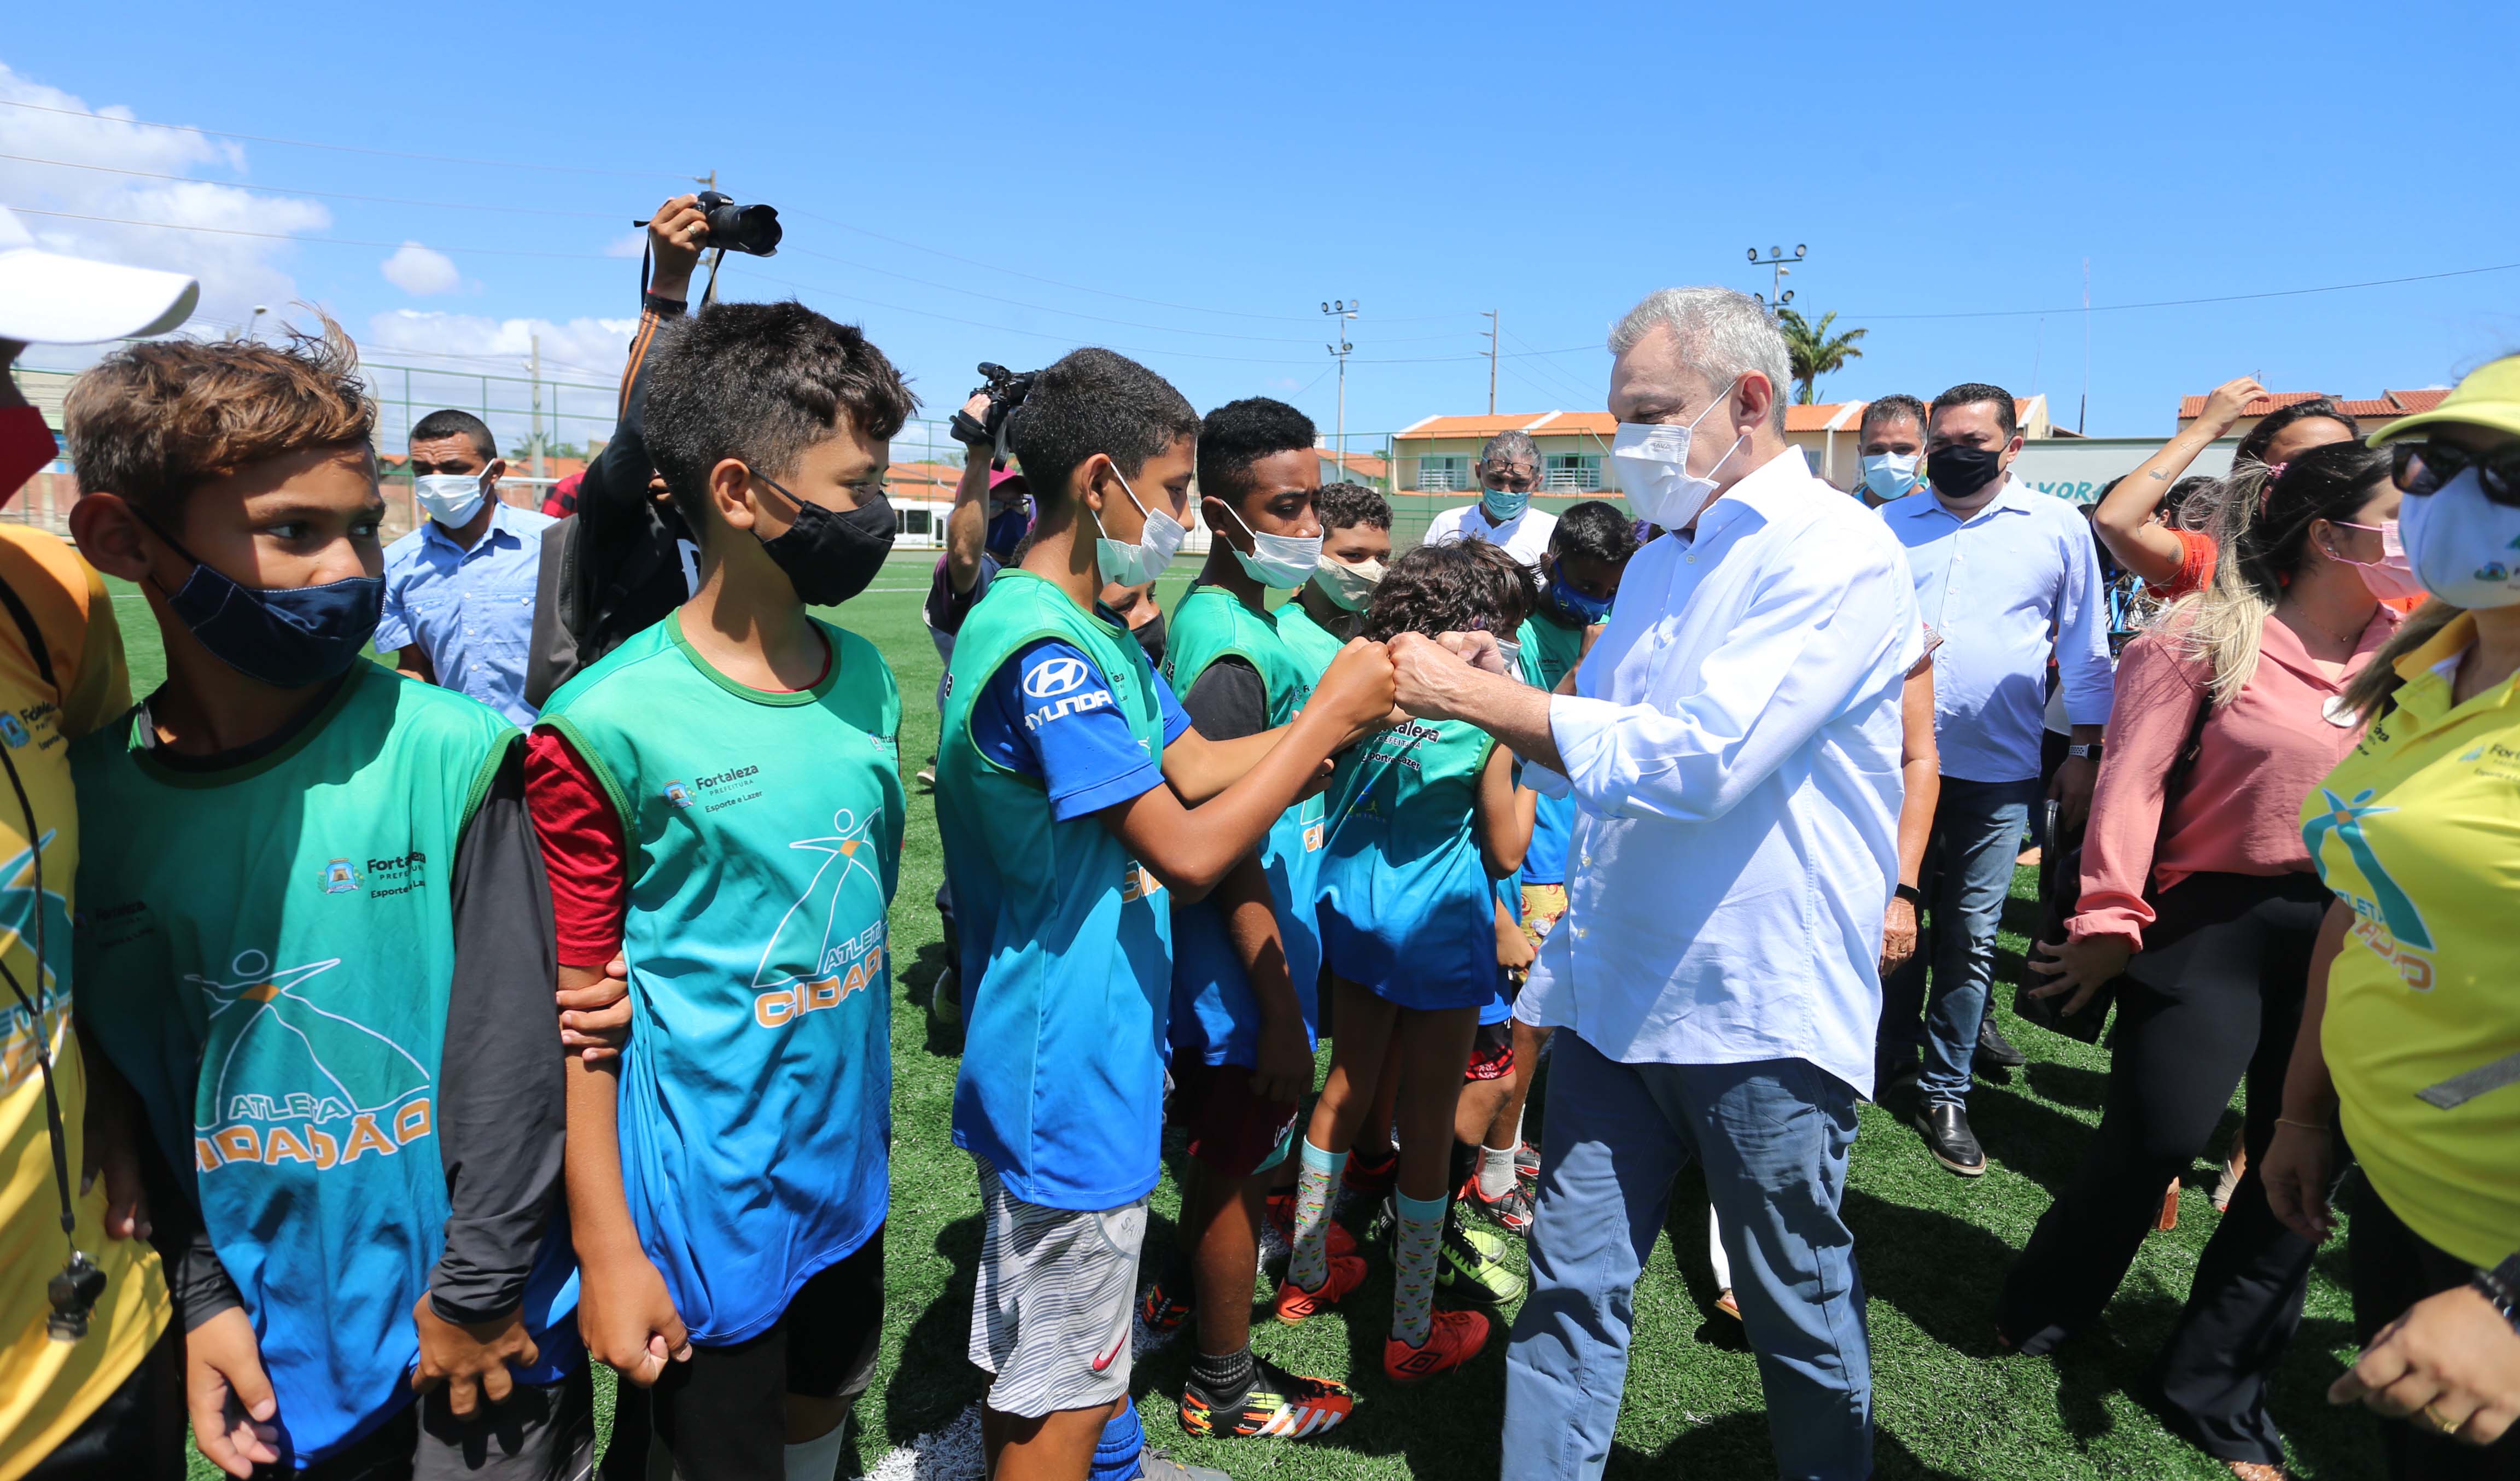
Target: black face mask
{"type": "Point", "coordinates": [829, 556]}
{"type": "Point", "coordinates": [1151, 638]}
{"type": "Point", "coordinates": [1959, 473]}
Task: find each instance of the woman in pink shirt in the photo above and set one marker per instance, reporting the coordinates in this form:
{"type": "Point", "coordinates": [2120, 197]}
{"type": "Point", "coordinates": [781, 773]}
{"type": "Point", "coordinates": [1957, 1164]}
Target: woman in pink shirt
{"type": "Point", "coordinates": [2196, 887]}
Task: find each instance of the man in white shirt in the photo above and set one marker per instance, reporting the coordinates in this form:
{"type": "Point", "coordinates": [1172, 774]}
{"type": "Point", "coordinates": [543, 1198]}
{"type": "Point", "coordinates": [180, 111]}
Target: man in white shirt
{"type": "Point", "coordinates": [1733, 742]}
{"type": "Point", "coordinates": [1508, 472]}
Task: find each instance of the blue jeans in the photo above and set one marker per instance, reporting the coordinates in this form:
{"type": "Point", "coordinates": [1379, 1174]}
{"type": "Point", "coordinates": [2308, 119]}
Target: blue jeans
{"type": "Point", "coordinates": [1774, 1136]}
{"type": "Point", "coordinates": [1978, 828]}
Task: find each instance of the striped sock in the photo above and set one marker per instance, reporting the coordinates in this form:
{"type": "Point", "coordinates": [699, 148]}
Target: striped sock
{"type": "Point", "coordinates": [1413, 1267]}
{"type": "Point", "coordinates": [1311, 1263]}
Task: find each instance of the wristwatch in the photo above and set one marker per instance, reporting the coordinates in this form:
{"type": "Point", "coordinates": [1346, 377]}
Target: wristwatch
{"type": "Point", "coordinates": [1910, 893]}
{"type": "Point", "coordinates": [2502, 1286]}
{"type": "Point", "coordinates": [2091, 752]}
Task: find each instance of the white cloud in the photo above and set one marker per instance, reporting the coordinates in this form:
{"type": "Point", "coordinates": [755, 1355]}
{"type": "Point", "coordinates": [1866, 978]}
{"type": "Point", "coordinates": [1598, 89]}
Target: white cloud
{"type": "Point", "coordinates": [420, 272]}
{"type": "Point", "coordinates": [235, 272]}
{"type": "Point", "coordinates": [629, 244]}
{"type": "Point", "coordinates": [432, 358]}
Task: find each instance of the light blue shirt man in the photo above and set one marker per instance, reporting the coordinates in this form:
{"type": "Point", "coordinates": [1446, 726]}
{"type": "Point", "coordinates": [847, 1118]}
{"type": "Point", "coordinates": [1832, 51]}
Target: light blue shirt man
{"type": "Point", "coordinates": [472, 611]}
{"type": "Point", "coordinates": [2003, 588]}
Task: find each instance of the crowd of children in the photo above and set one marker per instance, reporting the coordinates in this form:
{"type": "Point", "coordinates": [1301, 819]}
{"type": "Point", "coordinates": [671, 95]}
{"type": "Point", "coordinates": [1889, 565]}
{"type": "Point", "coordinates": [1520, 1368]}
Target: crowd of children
{"type": "Point", "coordinates": [322, 937]}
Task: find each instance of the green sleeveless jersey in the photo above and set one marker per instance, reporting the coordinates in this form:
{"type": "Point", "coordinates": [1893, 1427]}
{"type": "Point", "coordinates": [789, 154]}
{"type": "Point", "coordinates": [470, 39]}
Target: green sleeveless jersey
{"type": "Point", "coordinates": [1214, 1014]}
{"type": "Point", "coordinates": [1312, 643]}
{"type": "Point", "coordinates": [1549, 649]}
{"type": "Point", "coordinates": [267, 952]}
{"type": "Point", "coordinates": [764, 835]}
{"type": "Point", "coordinates": [1066, 959]}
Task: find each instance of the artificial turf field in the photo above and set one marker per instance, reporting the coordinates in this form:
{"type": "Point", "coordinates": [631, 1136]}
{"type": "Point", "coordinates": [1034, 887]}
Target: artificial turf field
{"type": "Point", "coordinates": [1932, 1247]}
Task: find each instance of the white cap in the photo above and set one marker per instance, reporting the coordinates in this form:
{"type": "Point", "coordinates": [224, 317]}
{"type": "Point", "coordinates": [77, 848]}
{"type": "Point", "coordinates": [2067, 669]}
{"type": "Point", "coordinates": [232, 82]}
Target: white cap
{"type": "Point", "coordinates": [47, 298]}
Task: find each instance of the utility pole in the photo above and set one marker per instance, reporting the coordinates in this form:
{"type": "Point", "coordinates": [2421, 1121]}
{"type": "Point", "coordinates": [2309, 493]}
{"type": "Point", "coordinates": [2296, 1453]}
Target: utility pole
{"type": "Point", "coordinates": [1340, 311]}
{"type": "Point", "coordinates": [535, 366]}
{"type": "Point", "coordinates": [1779, 296]}
{"type": "Point", "coordinates": [1495, 323]}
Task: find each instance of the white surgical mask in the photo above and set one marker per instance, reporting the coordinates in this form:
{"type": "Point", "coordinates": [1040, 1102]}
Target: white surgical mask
{"type": "Point", "coordinates": [2463, 547]}
{"type": "Point", "coordinates": [1279, 561]}
{"type": "Point", "coordinates": [1157, 543]}
{"type": "Point", "coordinates": [450, 499]}
{"type": "Point", "coordinates": [1349, 587]}
{"type": "Point", "coordinates": [1654, 468]}
{"type": "Point", "coordinates": [1890, 475]}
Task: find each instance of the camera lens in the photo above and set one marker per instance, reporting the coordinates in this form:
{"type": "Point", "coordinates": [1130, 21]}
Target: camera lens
{"type": "Point", "coordinates": [750, 229]}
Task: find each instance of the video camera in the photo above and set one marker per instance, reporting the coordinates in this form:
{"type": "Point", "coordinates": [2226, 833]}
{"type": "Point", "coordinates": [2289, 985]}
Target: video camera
{"type": "Point", "coordinates": [1005, 390]}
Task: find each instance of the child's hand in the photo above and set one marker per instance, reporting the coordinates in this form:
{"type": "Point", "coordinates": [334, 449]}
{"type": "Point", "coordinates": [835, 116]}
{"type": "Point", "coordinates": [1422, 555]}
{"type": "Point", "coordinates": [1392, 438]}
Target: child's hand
{"type": "Point", "coordinates": [1357, 688]}
{"type": "Point", "coordinates": [229, 1395]}
{"type": "Point", "coordinates": [1514, 951]}
{"type": "Point", "coordinates": [595, 1019]}
{"type": "Point", "coordinates": [1285, 1069]}
{"type": "Point", "coordinates": [625, 1317]}
{"type": "Point", "coordinates": [469, 1356]}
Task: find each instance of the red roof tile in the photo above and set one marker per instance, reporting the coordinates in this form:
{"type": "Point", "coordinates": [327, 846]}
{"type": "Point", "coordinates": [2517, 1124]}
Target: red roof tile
{"type": "Point", "coordinates": [2411, 402]}
{"type": "Point", "coordinates": [2192, 407]}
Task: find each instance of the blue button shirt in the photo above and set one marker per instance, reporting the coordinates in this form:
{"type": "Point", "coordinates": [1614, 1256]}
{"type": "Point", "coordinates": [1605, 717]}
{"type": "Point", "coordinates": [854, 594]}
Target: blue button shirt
{"type": "Point", "coordinates": [470, 610]}
{"type": "Point", "coordinates": [2016, 579]}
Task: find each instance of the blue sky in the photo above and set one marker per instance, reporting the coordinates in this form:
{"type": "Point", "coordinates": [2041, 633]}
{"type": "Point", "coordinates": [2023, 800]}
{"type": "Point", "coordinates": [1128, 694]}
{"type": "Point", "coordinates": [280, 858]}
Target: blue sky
{"type": "Point", "coordinates": [1207, 176]}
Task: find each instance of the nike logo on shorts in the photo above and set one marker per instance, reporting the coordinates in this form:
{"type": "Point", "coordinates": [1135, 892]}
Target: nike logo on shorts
{"type": "Point", "coordinates": [1105, 1360]}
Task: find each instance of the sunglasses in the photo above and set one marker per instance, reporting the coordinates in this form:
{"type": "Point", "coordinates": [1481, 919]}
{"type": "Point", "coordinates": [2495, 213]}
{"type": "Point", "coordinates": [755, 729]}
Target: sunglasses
{"type": "Point", "coordinates": [2421, 467]}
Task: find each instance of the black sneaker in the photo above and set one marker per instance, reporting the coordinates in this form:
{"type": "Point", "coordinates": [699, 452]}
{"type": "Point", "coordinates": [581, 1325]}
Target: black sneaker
{"type": "Point", "coordinates": [1995, 1049]}
{"type": "Point", "coordinates": [1278, 1403]}
{"type": "Point", "coordinates": [1945, 1127]}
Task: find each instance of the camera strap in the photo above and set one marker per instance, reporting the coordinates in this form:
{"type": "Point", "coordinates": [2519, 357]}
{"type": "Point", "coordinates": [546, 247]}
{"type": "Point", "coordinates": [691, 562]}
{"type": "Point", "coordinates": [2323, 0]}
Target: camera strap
{"type": "Point", "coordinates": [708, 295]}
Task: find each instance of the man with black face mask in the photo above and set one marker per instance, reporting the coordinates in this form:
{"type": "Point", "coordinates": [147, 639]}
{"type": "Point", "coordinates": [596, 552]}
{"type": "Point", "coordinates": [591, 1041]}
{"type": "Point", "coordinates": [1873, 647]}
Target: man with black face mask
{"type": "Point", "coordinates": [2006, 575]}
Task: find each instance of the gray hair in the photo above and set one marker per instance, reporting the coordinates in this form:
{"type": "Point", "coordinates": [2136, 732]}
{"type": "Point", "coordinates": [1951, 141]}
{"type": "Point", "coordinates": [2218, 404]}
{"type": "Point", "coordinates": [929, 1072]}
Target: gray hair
{"type": "Point", "coordinates": [1510, 447]}
{"type": "Point", "coordinates": [1723, 336]}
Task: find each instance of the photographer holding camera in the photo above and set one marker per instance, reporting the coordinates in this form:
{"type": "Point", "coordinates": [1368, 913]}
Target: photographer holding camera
{"type": "Point", "coordinates": [626, 559]}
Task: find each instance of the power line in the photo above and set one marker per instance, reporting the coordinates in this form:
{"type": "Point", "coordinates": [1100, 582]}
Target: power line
{"type": "Point", "coordinates": [233, 231]}
{"type": "Point", "coordinates": [2281, 293]}
{"type": "Point", "coordinates": [348, 148]}
{"type": "Point", "coordinates": [1082, 289]}
{"type": "Point", "coordinates": [277, 190]}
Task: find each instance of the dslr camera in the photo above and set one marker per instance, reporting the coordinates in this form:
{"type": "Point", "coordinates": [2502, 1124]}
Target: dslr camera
{"type": "Point", "coordinates": [750, 229]}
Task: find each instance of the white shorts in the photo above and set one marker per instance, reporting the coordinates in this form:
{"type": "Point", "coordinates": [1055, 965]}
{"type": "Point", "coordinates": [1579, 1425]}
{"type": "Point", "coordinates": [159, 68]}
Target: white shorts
{"type": "Point", "coordinates": [1053, 1313]}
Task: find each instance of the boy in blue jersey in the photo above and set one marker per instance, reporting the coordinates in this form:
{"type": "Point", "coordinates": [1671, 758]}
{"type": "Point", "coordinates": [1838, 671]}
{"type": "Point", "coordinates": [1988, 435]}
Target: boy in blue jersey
{"type": "Point", "coordinates": [1075, 800]}
{"type": "Point", "coordinates": [1579, 576]}
{"type": "Point", "coordinates": [314, 935]}
{"type": "Point", "coordinates": [720, 799]}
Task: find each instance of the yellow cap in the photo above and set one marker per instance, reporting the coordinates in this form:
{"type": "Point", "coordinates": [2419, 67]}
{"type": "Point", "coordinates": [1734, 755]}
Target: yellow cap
{"type": "Point", "coordinates": [2487, 397]}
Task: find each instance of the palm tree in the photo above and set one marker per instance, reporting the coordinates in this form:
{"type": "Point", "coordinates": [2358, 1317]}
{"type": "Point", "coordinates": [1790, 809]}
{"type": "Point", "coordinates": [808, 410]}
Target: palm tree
{"type": "Point", "coordinates": [1813, 352]}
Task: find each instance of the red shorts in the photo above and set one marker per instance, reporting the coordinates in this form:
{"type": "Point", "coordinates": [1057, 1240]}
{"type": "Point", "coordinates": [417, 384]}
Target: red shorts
{"type": "Point", "coordinates": [1230, 1130]}
{"type": "Point", "coordinates": [1492, 1052]}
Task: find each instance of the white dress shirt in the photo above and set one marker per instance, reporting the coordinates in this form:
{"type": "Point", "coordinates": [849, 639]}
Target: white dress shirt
{"type": "Point", "coordinates": [1526, 536]}
{"type": "Point", "coordinates": [1733, 746]}
{"type": "Point", "coordinates": [2015, 581]}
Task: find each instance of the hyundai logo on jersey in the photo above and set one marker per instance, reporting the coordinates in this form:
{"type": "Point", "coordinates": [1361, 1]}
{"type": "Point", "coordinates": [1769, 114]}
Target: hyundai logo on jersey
{"type": "Point", "coordinates": [1054, 677]}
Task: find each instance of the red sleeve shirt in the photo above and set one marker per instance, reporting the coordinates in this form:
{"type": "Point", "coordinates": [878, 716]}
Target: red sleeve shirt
{"type": "Point", "coordinates": [2197, 554]}
{"type": "Point", "coordinates": [583, 850]}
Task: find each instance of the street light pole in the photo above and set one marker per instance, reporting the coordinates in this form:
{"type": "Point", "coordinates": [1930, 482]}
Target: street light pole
{"type": "Point", "coordinates": [1495, 323]}
{"type": "Point", "coordinates": [1340, 311]}
{"type": "Point", "coordinates": [1779, 296]}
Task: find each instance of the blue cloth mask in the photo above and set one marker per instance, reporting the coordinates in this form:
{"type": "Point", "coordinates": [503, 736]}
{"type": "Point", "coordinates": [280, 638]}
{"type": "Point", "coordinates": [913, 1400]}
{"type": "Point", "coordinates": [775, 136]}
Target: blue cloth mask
{"type": "Point", "coordinates": [1574, 604]}
{"type": "Point", "coordinates": [1006, 532]}
{"type": "Point", "coordinates": [286, 637]}
{"type": "Point", "coordinates": [1503, 503]}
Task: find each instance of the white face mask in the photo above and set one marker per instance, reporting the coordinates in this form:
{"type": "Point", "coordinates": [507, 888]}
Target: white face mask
{"type": "Point", "coordinates": [1157, 543]}
{"type": "Point", "coordinates": [2464, 547]}
{"type": "Point", "coordinates": [1654, 468]}
{"type": "Point", "coordinates": [1890, 475]}
{"type": "Point", "coordinates": [450, 499]}
{"type": "Point", "coordinates": [1280, 560]}
{"type": "Point", "coordinates": [1349, 587]}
